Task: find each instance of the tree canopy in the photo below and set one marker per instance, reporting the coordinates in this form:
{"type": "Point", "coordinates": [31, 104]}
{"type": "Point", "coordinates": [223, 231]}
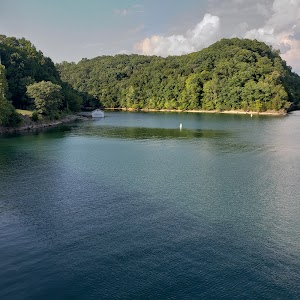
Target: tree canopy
{"type": "Point", "coordinates": [25, 65]}
{"type": "Point", "coordinates": [231, 74]}
{"type": "Point", "coordinates": [47, 96]}
{"type": "Point", "coordinates": [8, 115]}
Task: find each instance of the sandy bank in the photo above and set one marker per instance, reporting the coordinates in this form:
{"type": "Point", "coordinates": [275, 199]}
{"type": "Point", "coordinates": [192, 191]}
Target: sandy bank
{"type": "Point", "coordinates": [236, 112]}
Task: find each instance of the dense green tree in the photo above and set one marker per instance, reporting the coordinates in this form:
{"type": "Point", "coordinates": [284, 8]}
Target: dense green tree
{"type": "Point", "coordinates": [192, 93]}
{"type": "Point", "coordinates": [3, 81]}
{"type": "Point", "coordinates": [47, 97]}
{"type": "Point", "coordinates": [8, 115]}
{"type": "Point", "coordinates": [230, 74]}
{"type": "Point", "coordinates": [26, 65]}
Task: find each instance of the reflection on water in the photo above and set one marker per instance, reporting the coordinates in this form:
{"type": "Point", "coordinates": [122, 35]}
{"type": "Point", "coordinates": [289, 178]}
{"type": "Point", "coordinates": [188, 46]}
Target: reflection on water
{"type": "Point", "coordinates": [223, 140]}
{"type": "Point", "coordinates": [140, 133]}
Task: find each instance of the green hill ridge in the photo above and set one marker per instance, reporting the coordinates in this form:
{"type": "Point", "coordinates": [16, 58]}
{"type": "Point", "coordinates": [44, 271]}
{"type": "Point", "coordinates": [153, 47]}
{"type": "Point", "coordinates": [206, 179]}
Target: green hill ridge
{"type": "Point", "coordinates": [232, 74]}
{"type": "Point", "coordinates": [21, 66]}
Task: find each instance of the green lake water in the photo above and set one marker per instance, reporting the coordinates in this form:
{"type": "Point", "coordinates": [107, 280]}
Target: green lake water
{"type": "Point", "coordinates": [132, 207]}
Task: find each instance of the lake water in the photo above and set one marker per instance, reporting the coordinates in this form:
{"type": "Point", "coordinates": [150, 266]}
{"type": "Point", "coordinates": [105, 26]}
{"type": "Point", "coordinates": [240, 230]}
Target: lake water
{"type": "Point", "coordinates": [130, 207]}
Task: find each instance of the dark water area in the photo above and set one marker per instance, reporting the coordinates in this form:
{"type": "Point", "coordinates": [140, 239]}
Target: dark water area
{"type": "Point", "coordinates": [132, 207]}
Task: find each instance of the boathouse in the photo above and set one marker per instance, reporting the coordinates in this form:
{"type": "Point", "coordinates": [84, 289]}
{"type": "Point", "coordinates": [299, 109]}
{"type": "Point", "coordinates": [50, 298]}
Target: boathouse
{"type": "Point", "coordinates": [98, 113]}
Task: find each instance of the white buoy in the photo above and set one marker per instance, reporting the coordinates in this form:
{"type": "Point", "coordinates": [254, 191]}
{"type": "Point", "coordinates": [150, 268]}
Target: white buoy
{"type": "Point", "coordinates": [251, 115]}
{"type": "Point", "coordinates": [180, 126]}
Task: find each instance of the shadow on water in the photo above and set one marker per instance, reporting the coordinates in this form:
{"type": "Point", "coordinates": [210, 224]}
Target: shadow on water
{"type": "Point", "coordinates": [16, 147]}
{"type": "Point", "coordinates": [55, 132]}
{"type": "Point", "coordinates": [144, 133]}
{"type": "Point", "coordinates": [223, 140]}
{"type": "Point", "coordinates": [226, 141]}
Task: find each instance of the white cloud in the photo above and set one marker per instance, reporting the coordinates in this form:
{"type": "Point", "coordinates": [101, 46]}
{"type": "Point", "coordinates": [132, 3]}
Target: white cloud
{"type": "Point", "coordinates": [275, 22]}
{"type": "Point", "coordinates": [124, 51]}
{"type": "Point", "coordinates": [121, 12]}
{"type": "Point", "coordinates": [127, 11]}
{"type": "Point", "coordinates": [205, 33]}
{"type": "Point", "coordinates": [280, 30]}
{"type": "Point", "coordinates": [292, 55]}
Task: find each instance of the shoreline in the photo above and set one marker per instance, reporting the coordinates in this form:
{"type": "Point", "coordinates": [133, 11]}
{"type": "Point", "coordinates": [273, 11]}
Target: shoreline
{"type": "Point", "coordinates": [30, 126]}
{"type": "Point", "coordinates": [234, 112]}
{"type": "Point", "coordinates": [33, 126]}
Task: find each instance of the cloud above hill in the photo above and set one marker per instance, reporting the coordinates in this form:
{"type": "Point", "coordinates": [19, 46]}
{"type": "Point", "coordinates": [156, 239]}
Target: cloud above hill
{"type": "Point", "coordinates": [282, 30]}
{"type": "Point", "coordinates": [204, 33]}
{"type": "Point", "coordinates": [278, 25]}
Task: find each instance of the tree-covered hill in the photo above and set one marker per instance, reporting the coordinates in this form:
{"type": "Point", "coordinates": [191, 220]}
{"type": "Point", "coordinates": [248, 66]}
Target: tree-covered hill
{"type": "Point", "coordinates": [232, 74]}
{"type": "Point", "coordinates": [229, 75]}
{"type": "Point", "coordinates": [23, 66]}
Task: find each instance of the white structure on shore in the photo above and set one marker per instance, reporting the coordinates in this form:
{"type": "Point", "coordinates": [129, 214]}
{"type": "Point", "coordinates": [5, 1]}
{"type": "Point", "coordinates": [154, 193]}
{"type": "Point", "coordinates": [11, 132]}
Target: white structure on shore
{"type": "Point", "coordinates": [97, 113]}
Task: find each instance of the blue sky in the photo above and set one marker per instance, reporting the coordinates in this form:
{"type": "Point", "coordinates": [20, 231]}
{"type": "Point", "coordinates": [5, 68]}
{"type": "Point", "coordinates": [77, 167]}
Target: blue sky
{"type": "Point", "coordinates": [73, 29]}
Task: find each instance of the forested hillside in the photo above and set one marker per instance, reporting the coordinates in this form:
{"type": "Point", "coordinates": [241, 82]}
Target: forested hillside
{"type": "Point", "coordinates": [22, 66]}
{"type": "Point", "coordinates": [231, 74]}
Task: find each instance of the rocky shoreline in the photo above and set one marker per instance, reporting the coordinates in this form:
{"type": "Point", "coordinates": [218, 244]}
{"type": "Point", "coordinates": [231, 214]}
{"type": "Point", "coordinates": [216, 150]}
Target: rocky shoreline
{"type": "Point", "coordinates": [28, 125]}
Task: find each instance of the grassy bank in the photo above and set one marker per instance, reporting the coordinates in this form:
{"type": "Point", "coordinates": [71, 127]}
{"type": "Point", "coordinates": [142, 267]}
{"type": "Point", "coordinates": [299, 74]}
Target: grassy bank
{"type": "Point", "coordinates": [24, 112]}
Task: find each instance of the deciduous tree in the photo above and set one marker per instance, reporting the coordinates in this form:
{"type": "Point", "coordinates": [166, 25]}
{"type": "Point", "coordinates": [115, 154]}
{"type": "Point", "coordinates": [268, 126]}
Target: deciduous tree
{"type": "Point", "coordinates": [47, 96]}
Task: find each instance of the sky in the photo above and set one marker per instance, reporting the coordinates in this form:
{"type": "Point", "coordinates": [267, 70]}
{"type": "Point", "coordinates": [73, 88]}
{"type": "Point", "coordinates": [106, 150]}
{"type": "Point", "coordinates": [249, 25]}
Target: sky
{"type": "Point", "coordinates": [69, 30]}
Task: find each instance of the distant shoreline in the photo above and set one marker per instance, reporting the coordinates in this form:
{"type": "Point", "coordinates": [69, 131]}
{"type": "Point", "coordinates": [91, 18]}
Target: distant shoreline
{"type": "Point", "coordinates": [234, 112]}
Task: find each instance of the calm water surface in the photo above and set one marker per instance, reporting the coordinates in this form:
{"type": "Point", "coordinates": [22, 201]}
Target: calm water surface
{"type": "Point", "coordinates": [130, 207]}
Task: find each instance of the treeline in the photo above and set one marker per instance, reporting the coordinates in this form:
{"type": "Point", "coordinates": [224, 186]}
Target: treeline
{"type": "Point", "coordinates": [21, 67]}
{"type": "Point", "coordinates": [232, 74]}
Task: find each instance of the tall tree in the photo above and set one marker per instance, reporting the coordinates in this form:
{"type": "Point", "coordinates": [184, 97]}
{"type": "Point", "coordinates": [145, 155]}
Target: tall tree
{"type": "Point", "coordinates": [47, 96]}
